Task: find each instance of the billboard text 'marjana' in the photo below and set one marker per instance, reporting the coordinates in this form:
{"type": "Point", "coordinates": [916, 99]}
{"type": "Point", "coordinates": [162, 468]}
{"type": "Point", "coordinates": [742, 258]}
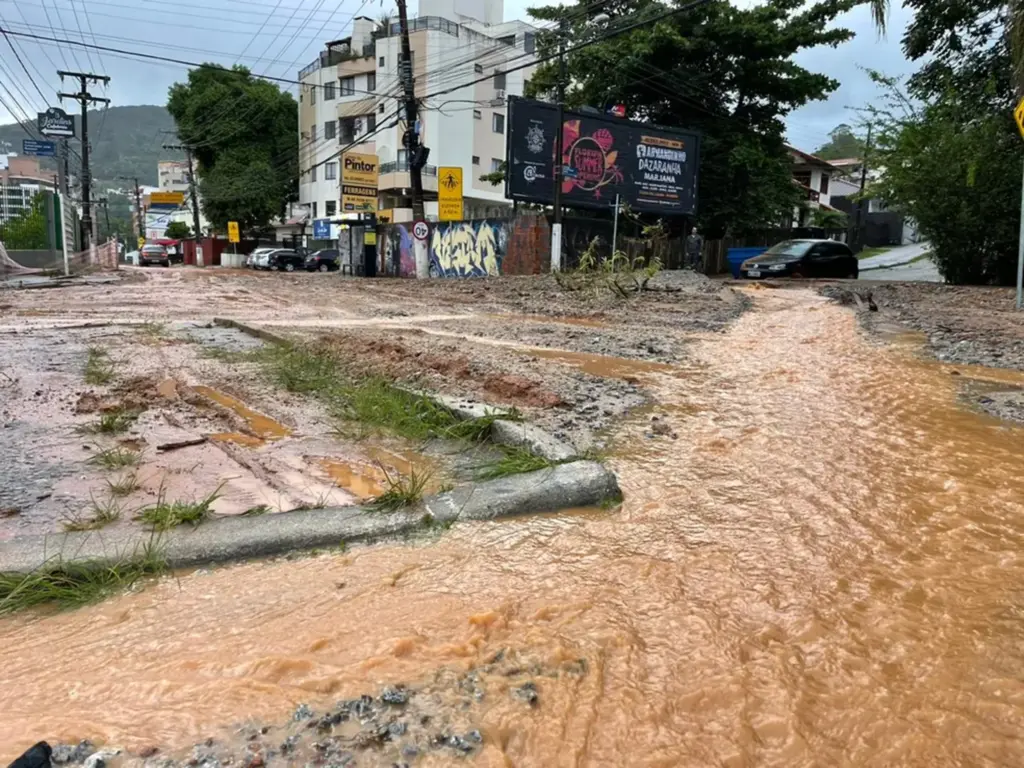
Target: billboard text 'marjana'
{"type": "Point", "coordinates": [652, 169]}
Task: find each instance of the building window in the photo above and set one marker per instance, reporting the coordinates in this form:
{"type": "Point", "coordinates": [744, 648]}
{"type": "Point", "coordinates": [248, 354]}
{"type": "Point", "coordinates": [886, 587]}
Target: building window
{"type": "Point", "coordinates": [330, 171]}
{"type": "Point", "coordinates": [499, 81]}
{"type": "Point", "coordinates": [478, 68]}
{"type": "Point", "coordinates": [312, 174]}
{"type": "Point", "coordinates": [348, 130]}
{"type": "Point", "coordinates": [314, 209]}
{"type": "Point", "coordinates": [312, 134]}
{"type": "Point", "coordinates": [371, 82]}
{"type": "Point", "coordinates": [403, 160]}
{"type": "Point", "coordinates": [824, 182]}
{"type": "Point", "coordinates": [329, 91]}
{"type": "Point", "coordinates": [496, 164]}
{"type": "Point", "coordinates": [476, 160]}
{"type": "Point", "coordinates": [381, 108]}
{"type": "Point", "coordinates": [348, 86]}
{"type": "Point", "coordinates": [312, 95]}
{"type": "Point", "coordinates": [508, 40]}
{"type": "Point", "coordinates": [371, 123]}
{"type": "Point", "coordinates": [330, 208]}
{"type": "Point", "coordinates": [529, 42]}
{"type": "Point", "coordinates": [330, 129]}
{"type": "Point", "coordinates": [498, 123]}
{"type": "Point", "coordinates": [478, 115]}
{"type": "Point", "coordinates": [381, 63]}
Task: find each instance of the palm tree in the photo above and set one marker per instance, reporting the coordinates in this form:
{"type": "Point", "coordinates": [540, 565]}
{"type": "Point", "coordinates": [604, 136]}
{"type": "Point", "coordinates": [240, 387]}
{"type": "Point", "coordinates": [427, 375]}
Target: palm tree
{"type": "Point", "coordinates": [879, 12]}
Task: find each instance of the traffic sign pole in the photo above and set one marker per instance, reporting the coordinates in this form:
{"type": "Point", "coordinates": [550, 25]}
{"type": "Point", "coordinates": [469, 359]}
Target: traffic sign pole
{"type": "Point", "coordinates": [1018, 115]}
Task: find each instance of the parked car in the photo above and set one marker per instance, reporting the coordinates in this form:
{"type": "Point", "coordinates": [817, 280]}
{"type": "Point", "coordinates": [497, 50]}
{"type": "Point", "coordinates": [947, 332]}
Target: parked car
{"type": "Point", "coordinates": [803, 258]}
{"type": "Point", "coordinates": [285, 260]}
{"type": "Point", "coordinates": [252, 258]}
{"type": "Point", "coordinates": [154, 254]}
{"type": "Point", "coordinates": [323, 261]}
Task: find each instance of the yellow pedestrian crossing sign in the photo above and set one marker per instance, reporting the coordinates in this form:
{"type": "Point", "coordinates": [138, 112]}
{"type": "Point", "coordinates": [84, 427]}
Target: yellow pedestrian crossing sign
{"type": "Point", "coordinates": [1018, 115]}
{"type": "Point", "coordinates": [449, 193]}
{"type": "Point", "coordinates": [233, 232]}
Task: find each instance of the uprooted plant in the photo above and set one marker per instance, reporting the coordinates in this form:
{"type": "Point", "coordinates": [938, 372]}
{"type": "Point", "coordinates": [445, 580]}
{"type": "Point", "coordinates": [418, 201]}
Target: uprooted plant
{"type": "Point", "coordinates": [619, 274]}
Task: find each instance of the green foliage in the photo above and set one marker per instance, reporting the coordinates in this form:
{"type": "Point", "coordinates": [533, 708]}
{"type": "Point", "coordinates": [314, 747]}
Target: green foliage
{"type": "Point", "coordinates": [726, 71]}
{"type": "Point", "coordinates": [618, 274]}
{"type": "Point", "coordinates": [402, 491]}
{"type": "Point", "coordinates": [842, 143]}
{"type": "Point", "coordinates": [98, 367]}
{"type": "Point", "coordinates": [248, 154]}
{"type": "Point", "coordinates": [115, 458]}
{"type": "Point", "coordinates": [496, 177]}
{"type": "Point", "coordinates": [178, 230]}
{"type": "Point", "coordinates": [514, 461]}
{"type": "Point", "coordinates": [27, 231]}
{"type": "Point", "coordinates": [822, 217]}
{"type": "Point", "coordinates": [110, 423]}
{"type": "Point", "coordinates": [69, 585]}
{"type": "Point", "coordinates": [949, 146]}
{"type": "Point", "coordinates": [165, 515]}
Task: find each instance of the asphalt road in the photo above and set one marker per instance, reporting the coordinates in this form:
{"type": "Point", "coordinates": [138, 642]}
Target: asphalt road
{"type": "Point", "coordinates": [897, 256]}
{"type": "Point", "coordinates": [923, 271]}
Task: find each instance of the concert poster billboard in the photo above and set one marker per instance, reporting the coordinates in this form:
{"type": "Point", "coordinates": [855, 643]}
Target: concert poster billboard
{"type": "Point", "coordinates": [653, 170]}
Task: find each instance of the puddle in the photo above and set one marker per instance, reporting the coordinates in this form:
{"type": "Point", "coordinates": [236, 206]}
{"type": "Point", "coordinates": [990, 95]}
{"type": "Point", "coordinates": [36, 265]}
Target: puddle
{"type": "Point", "coordinates": [238, 438]}
{"type": "Point", "coordinates": [260, 425]}
{"type": "Point", "coordinates": [366, 482]}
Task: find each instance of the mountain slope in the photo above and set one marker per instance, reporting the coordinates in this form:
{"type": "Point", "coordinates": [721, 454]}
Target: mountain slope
{"type": "Point", "coordinates": [125, 141]}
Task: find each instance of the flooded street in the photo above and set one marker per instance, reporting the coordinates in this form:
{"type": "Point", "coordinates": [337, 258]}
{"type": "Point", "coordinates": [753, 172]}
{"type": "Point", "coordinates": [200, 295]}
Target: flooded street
{"type": "Point", "coordinates": [824, 568]}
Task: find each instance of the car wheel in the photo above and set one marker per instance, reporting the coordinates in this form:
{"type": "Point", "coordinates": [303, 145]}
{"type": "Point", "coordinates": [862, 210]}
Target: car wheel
{"type": "Point", "coordinates": [273, 267]}
{"type": "Point", "coordinates": [797, 275]}
{"type": "Point", "coordinates": [324, 268]}
{"type": "Point", "coordinates": [852, 276]}
{"type": "Point", "coordinates": [166, 263]}
{"type": "Point", "coordinates": [289, 267]}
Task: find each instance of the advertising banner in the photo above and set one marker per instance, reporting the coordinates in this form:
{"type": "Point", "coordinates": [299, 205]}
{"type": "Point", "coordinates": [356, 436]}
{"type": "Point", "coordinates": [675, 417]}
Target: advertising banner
{"type": "Point", "coordinates": [55, 122]}
{"type": "Point", "coordinates": [360, 174]}
{"type": "Point", "coordinates": [653, 170]}
{"type": "Point", "coordinates": [166, 199]}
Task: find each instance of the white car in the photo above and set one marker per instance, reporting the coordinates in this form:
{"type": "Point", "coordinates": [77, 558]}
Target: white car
{"type": "Point", "coordinates": [252, 260]}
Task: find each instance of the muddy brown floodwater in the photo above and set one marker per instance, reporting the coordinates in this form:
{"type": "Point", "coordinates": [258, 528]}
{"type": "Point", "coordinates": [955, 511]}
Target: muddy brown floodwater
{"type": "Point", "coordinates": [824, 569]}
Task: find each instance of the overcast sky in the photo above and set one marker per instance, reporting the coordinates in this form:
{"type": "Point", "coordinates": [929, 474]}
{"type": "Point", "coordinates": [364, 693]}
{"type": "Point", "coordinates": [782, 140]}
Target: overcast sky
{"type": "Point", "coordinates": [227, 31]}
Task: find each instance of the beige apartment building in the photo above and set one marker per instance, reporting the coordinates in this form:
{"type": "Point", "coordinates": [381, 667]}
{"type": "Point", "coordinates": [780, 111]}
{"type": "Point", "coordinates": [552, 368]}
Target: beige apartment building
{"type": "Point", "coordinates": [352, 96]}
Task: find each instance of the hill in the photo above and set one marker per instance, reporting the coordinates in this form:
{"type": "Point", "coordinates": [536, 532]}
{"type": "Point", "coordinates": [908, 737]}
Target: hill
{"type": "Point", "coordinates": [125, 141]}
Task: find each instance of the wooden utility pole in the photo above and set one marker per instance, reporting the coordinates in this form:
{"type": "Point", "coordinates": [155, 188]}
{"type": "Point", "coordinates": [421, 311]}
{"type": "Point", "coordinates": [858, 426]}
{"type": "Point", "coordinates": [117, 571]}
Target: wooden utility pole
{"type": "Point", "coordinates": [556, 228]}
{"type": "Point", "coordinates": [139, 215]}
{"type": "Point", "coordinates": [857, 234]}
{"type": "Point", "coordinates": [196, 230]}
{"type": "Point", "coordinates": [85, 98]}
{"type": "Point", "coordinates": [411, 140]}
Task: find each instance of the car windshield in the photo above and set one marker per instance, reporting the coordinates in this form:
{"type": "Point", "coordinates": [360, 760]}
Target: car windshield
{"type": "Point", "coordinates": [789, 248]}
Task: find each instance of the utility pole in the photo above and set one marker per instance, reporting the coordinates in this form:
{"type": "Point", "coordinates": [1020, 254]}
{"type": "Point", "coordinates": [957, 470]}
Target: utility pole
{"type": "Point", "coordinates": [140, 217]}
{"type": "Point", "coordinates": [856, 238]}
{"type": "Point", "coordinates": [195, 199]}
{"type": "Point", "coordinates": [556, 227]}
{"type": "Point", "coordinates": [85, 98]}
{"type": "Point", "coordinates": [411, 140]}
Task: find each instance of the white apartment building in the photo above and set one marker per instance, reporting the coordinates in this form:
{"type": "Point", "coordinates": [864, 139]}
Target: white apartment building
{"type": "Point", "coordinates": [21, 179]}
{"type": "Point", "coordinates": [353, 89]}
{"type": "Point", "coordinates": [172, 176]}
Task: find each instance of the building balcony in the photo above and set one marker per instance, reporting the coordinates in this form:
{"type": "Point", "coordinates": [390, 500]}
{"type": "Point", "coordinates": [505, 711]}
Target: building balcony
{"type": "Point", "coordinates": [395, 175]}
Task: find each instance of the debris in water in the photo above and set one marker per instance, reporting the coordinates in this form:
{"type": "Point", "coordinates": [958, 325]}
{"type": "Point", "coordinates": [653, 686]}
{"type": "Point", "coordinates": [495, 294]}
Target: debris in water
{"type": "Point", "coordinates": [527, 692]}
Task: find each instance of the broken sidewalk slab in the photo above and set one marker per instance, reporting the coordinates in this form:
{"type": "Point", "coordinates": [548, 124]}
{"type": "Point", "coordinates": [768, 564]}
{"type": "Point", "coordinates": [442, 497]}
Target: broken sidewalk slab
{"type": "Point", "coordinates": [579, 484]}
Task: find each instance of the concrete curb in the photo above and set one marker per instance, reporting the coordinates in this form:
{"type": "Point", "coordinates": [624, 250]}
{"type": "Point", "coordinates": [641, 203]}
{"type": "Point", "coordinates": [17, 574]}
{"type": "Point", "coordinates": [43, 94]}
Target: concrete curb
{"type": "Point", "coordinates": [515, 434]}
{"type": "Point", "coordinates": [579, 484]}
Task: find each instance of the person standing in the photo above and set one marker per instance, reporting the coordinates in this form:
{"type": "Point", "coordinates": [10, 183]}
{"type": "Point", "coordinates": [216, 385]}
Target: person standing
{"type": "Point", "coordinates": [694, 250]}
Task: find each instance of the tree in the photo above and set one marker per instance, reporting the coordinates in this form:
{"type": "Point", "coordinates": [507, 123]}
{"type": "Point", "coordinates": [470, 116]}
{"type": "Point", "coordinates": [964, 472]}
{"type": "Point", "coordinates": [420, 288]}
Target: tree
{"type": "Point", "coordinates": [178, 230]}
{"type": "Point", "coordinates": [245, 134]}
{"type": "Point", "coordinates": [27, 230]}
{"type": "Point", "coordinates": [725, 71]}
{"type": "Point", "coordinates": [948, 143]}
{"type": "Point", "coordinates": [842, 143]}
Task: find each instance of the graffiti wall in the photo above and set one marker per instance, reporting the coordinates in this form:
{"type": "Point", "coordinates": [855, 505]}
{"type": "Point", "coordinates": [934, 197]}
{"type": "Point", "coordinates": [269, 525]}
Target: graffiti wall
{"type": "Point", "coordinates": [484, 248]}
{"type": "Point", "coordinates": [395, 251]}
{"type": "Point", "coordinates": [468, 248]}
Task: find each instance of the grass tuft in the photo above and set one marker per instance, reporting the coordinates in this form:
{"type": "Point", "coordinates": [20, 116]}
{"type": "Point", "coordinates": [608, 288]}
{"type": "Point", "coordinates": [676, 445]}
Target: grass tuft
{"type": "Point", "coordinates": [125, 485]}
{"type": "Point", "coordinates": [153, 330]}
{"type": "Point", "coordinates": [69, 585]}
{"type": "Point", "coordinates": [515, 461]}
{"type": "Point", "coordinates": [98, 367]}
{"type": "Point", "coordinates": [103, 513]}
{"type": "Point", "coordinates": [402, 491]}
{"type": "Point", "coordinates": [115, 458]}
{"type": "Point", "coordinates": [165, 515]}
{"type": "Point", "coordinates": [110, 423]}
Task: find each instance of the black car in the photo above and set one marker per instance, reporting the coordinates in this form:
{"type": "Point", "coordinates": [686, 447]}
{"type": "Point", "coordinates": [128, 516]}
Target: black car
{"type": "Point", "coordinates": [285, 260]}
{"type": "Point", "coordinates": [803, 258]}
{"type": "Point", "coordinates": [323, 261]}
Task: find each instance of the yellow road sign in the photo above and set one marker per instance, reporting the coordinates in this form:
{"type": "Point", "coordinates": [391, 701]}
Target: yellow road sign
{"type": "Point", "coordinates": [1018, 115]}
{"type": "Point", "coordinates": [166, 198]}
{"type": "Point", "coordinates": [449, 193]}
{"type": "Point", "coordinates": [142, 241]}
{"type": "Point", "coordinates": [233, 232]}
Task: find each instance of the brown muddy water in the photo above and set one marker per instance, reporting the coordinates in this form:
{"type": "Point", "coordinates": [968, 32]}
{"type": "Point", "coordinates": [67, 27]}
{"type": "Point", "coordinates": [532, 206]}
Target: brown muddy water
{"type": "Point", "coordinates": [824, 569]}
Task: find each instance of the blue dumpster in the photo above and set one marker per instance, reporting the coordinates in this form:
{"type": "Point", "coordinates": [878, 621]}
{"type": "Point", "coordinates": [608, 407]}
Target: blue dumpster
{"type": "Point", "coordinates": [736, 256]}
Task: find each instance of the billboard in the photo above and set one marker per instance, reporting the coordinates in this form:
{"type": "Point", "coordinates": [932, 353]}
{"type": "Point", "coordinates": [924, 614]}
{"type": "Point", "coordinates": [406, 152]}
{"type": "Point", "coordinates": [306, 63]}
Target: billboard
{"type": "Point", "coordinates": [38, 148]}
{"type": "Point", "coordinates": [653, 170]}
{"type": "Point", "coordinates": [359, 178]}
{"type": "Point", "coordinates": [166, 199]}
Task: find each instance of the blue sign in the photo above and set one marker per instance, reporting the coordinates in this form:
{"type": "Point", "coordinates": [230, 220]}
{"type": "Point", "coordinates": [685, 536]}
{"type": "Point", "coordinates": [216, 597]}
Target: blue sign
{"type": "Point", "coordinates": [39, 148]}
{"type": "Point", "coordinates": [321, 229]}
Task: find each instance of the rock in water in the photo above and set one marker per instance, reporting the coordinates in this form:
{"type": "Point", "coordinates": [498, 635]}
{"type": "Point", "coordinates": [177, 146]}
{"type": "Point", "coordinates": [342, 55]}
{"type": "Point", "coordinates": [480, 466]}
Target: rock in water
{"type": "Point", "coordinates": [37, 756]}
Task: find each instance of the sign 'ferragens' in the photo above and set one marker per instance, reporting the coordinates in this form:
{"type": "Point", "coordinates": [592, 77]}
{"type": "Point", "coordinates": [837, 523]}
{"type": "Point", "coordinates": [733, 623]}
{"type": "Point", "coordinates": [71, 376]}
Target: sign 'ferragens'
{"type": "Point", "coordinates": [652, 169]}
